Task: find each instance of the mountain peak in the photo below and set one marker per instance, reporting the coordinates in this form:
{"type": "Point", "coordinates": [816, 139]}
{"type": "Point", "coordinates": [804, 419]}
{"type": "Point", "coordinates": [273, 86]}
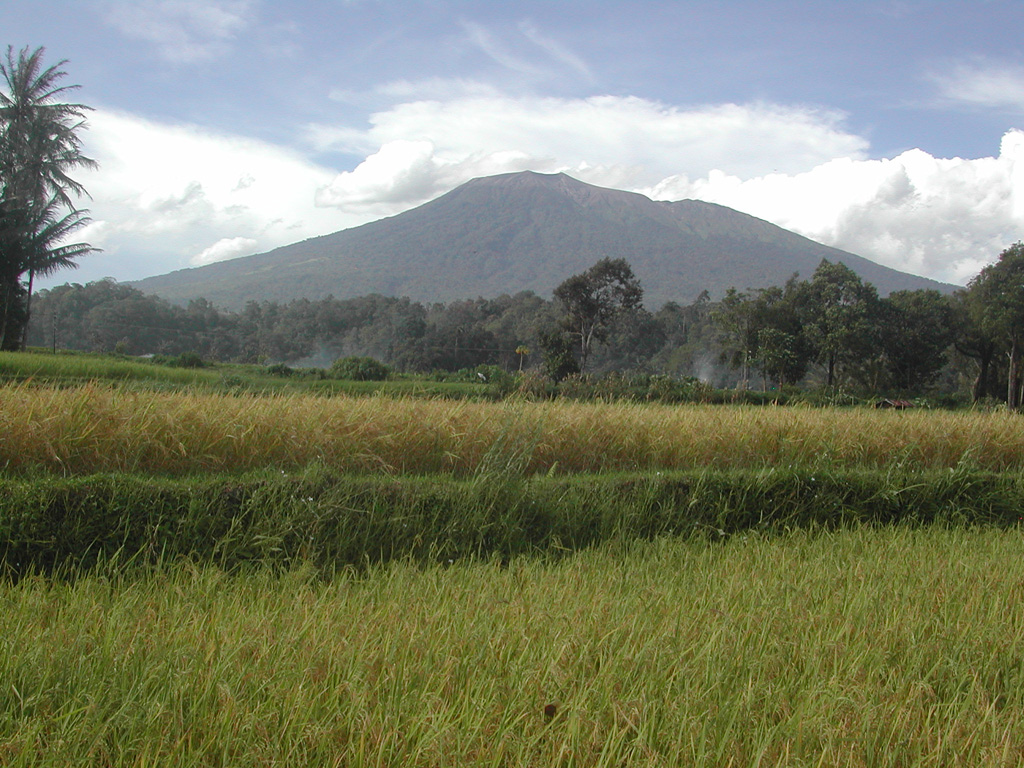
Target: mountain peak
{"type": "Point", "coordinates": [526, 181]}
{"type": "Point", "coordinates": [527, 231]}
{"type": "Point", "coordinates": [534, 182]}
{"type": "Point", "coordinates": [521, 178]}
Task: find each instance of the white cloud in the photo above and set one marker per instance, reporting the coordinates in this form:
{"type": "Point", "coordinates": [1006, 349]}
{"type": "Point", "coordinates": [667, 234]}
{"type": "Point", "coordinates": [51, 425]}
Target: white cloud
{"type": "Point", "coordinates": [796, 167]}
{"type": "Point", "coordinates": [441, 88]}
{"type": "Point", "coordinates": [555, 50]}
{"type": "Point", "coordinates": [223, 249]}
{"type": "Point", "coordinates": [183, 31]}
{"type": "Point", "coordinates": [614, 141]}
{"type": "Point", "coordinates": [164, 193]}
{"type": "Point", "coordinates": [983, 84]}
{"type": "Point", "coordinates": [169, 196]}
{"type": "Point", "coordinates": [943, 218]}
{"type": "Point", "coordinates": [401, 171]}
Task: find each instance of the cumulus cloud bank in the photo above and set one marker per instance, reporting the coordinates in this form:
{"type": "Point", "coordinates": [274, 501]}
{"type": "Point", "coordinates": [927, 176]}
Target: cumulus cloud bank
{"type": "Point", "coordinates": [939, 217]}
{"type": "Point", "coordinates": [167, 196]}
{"type": "Point", "coordinates": [224, 249]}
{"type": "Point", "coordinates": [628, 139]}
{"type": "Point", "coordinates": [942, 218]}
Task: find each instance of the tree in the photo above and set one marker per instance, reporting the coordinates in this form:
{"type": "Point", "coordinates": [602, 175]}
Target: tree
{"type": "Point", "coordinates": [593, 299]}
{"type": "Point", "coordinates": [973, 340]}
{"type": "Point", "coordinates": [39, 148]}
{"type": "Point", "coordinates": [734, 318]}
{"type": "Point", "coordinates": [631, 342]}
{"type": "Point", "coordinates": [556, 350]}
{"type": "Point", "coordinates": [998, 293]}
{"type": "Point", "coordinates": [918, 331]}
{"type": "Point", "coordinates": [764, 330]}
{"type": "Point", "coordinates": [839, 319]}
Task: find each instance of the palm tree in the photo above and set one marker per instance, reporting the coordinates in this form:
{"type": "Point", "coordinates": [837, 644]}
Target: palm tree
{"type": "Point", "coordinates": [39, 250]}
{"type": "Point", "coordinates": [39, 147]}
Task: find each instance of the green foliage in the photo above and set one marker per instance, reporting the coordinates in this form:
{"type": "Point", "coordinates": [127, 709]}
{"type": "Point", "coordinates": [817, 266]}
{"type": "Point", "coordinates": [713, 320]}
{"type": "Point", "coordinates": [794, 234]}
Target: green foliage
{"type": "Point", "coordinates": [184, 360]}
{"type": "Point", "coordinates": [280, 369]}
{"type": "Point", "coordinates": [359, 369]}
{"type": "Point", "coordinates": [559, 361]}
{"type": "Point", "coordinates": [765, 331]}
{"type": "Point", "coordinates": [596, 297]}
{"type": "Point", "coordinates": [839, 314]}
{"type": "Point", "coordinates": [39, 147]}
{"type": "Point", "coordinates": [917, 331]}
{"type": "Point", "coordinates": [769, 336]}
{"type": "Point", "coordinates": [975, 342]}
{"type": "Point", "coordinates": [997, 298]}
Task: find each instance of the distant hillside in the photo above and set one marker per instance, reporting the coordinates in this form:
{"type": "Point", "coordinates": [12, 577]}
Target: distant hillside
{"type": "Point", "coordinates": [527, 231]}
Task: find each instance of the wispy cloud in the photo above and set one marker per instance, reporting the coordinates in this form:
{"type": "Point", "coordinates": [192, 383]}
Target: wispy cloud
{"type": "Point", "coordinates": [555, 49]}
{"type": "Point", "coordinates": [482, 38]}
{"type": "Point", "coordinates": [183, 31]}
{"type": "Point", "coordinates": [982, 84]}
{"type": "Point", "coordinates": [530, 53]}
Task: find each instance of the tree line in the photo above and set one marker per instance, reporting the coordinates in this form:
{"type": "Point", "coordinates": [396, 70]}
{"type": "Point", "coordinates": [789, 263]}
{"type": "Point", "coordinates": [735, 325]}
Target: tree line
{"type": "Point", "coordinates": [832, 330]}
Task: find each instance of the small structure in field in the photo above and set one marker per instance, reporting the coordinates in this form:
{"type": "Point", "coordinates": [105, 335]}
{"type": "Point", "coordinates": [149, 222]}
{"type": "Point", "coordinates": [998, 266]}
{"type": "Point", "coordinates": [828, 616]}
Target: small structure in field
{"type": "Point", "coordinates": [899, 405]}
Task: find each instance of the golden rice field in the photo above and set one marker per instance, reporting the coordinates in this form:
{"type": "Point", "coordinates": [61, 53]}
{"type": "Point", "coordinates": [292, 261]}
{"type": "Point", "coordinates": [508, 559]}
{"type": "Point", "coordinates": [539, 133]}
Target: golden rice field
{"type": "Point", "coordinates": [96, 428]}
{"type": "Point", "coordinates": [861, 648]}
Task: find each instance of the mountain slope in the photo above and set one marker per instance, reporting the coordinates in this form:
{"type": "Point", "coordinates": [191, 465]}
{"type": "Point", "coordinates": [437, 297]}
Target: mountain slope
{"type": "Point", "coordinates": [526, 231]}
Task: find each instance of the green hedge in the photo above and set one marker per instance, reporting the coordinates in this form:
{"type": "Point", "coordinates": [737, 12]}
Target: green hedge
{"type": "Point", "coordinates": [53, 525]}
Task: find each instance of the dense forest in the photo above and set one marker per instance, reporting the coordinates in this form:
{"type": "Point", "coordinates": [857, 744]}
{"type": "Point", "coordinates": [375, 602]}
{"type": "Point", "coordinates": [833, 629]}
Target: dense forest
{"type": "Point", "coordinates": [831, 330]}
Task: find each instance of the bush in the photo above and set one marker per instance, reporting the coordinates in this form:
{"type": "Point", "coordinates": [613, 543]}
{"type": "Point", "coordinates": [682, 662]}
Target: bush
{"type": "Point", "coordinates": [184, 360]}
{"type": "Point", "coordinates": [534, 385]}
{"type": "Point", "coordinates": [359, 369]}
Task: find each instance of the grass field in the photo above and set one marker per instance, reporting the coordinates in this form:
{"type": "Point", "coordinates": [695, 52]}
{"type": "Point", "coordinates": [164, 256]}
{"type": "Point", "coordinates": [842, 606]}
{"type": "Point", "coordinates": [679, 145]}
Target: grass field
{"type": "Point", "coordinates": [73, 369]}
{"type": "Point", "coordinates": [893, 647]}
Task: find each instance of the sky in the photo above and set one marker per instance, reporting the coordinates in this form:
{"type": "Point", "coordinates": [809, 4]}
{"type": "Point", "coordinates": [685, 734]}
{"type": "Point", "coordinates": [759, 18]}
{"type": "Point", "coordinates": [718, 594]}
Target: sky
{"type": "Point", "coordinates": [893, 129]}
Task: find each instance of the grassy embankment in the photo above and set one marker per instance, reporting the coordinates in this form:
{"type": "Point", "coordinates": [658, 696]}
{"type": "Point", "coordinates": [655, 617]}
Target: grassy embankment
{"type": "Point", "coordinates": [95, 472]}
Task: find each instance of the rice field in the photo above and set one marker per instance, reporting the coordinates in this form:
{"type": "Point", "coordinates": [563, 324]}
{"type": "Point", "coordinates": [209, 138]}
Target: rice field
{"type": "Point", "coordinates": [893, 647]}
{"type": "Point", "coordinates": [96, 428]}
{"type": "Point", "coordinates": [195, 578]}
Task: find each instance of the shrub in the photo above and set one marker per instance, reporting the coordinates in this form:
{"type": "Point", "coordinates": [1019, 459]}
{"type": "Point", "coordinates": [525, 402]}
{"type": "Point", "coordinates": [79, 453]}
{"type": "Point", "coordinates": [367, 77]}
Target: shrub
{"type": "Point", "coordinates": [359, 369]}
{"type": "Point", "coordinates": [184, 360]}
{"type": "Point", "coordinates": [534, 385]}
